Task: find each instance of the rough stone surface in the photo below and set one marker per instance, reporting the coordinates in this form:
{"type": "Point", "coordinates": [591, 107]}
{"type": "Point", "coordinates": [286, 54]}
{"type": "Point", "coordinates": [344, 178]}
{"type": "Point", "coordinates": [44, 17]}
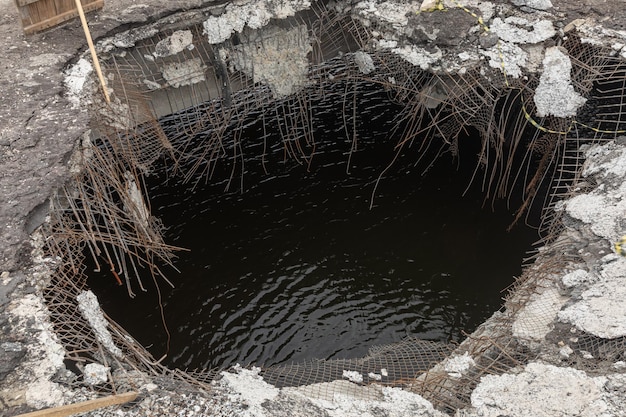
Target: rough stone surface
{"type": "Point", "coordinates": [188, 72]}
{"type": "Point", "coordinates": [364, 62]}
{"type": "Point", "coordinates": [592, 208]}
{"type": "Point", "coordinates": [555, 95]}
{"type": "Point", "coordinates": [534, 4]}
{"type": "Point", "coordinates": [508, 57]}
{"type": "Point", "coordinates": [600, 309]}
{"type": "Point", "coordinates": [520, 30]}
{"type": "Point", "coordinates": [575, 278]}
{"type": "Point", "coordinates": [276, 57]}
{"type": "Point", "coordinates": [174, 44]}
{"type": "Point", "coordinates": [11, 354]}
{"type": "Point", "coordinates": [95, 374]}
{"type": "Point", "coordinates": [541, 390]}
{"type": "Point", "coordinates": [442, 29]}
{"type": "Point", "coordinates": [457, 365]}
{"type": "Point", "coordinates": [42, 359]}
{"type": "Point", "coordinates": [250, 14]}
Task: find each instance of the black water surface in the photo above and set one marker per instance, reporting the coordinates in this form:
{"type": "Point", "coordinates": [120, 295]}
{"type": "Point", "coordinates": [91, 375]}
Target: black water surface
{"type": "Point", "coordinates": [297, 266]}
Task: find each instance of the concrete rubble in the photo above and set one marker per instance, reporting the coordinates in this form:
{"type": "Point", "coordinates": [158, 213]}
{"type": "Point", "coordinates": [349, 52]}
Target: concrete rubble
{"type": "Point", "coordinates": [43, 118]}
{"type": "Point", "coordinates": [544, 390]}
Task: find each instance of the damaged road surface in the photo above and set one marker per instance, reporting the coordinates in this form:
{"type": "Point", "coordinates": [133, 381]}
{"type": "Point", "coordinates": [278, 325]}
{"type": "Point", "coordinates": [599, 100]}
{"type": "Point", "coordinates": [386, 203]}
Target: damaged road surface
{"type": "Point", "coordinates": [558, 342]}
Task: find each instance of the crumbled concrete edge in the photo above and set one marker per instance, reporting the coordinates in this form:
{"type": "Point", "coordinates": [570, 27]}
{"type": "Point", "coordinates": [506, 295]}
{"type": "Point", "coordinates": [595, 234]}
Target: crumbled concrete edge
{"type": "Point", "coordinates": [42, 354]}
{"type": "Point", "coordinates": [43, 359]}
{"type": "Point", "coordinates": [598, 291]}
{"type": "Point", "coordinates": [511, 44]}
{"type": "Point", "coordinates": [273, 56]}
{"type": "Point", "coordinates": [251, 14]}
{"type": "Point", "coordinates": [247, 389]}
{"type": "Point", "coordinates": [546, 390]}
{"type": "Point", "coordinates": [586, 298]}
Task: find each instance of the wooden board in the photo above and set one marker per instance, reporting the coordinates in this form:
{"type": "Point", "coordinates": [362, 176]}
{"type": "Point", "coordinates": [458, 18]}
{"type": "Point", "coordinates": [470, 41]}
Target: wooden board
{"type": "Point", "coordinates": [83, 407]}
{"type": "Point", "coordinates": [38, 15]}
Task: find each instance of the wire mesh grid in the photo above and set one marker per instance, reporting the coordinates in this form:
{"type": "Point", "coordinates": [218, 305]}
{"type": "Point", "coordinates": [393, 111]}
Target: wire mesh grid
{"type": "Point", "coordinates": [162, 101]}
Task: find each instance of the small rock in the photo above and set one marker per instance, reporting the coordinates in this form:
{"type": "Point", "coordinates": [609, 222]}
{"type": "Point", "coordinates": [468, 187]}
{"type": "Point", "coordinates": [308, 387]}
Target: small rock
{"type": "Point", "coordinates": [534, 4]}
{"type": "Point", "coordinates": [11, 354]}
{"type": "Point", "coordinates": [488, 40]}
{"type": "Point", "coordinates": [95, 374]}
{"type": "Point", "coordinates": [565, 351]}
{"type": "Point", "coordinates": [150, 387]}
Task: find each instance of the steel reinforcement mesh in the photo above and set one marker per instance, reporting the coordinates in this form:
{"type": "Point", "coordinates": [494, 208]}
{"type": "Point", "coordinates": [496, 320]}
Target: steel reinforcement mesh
{"type": "Point", "coordinates": [157, 115]}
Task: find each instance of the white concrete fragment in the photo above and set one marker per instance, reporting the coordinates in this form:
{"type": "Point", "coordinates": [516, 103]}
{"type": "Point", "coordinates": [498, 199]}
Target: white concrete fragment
{"type": "Point", "coordinates": [566, 351]}
{"type": "Point", "coordinates": [282, 9]}
{"type": "Point", "coordinates": [535, 319]}
{"type": "Point", "coordinates": [250, 396]}
{"type": "Point", "coordinates": [364, 62]}
{"type": "Point", "coordinates": [605, 160]}
{"type": "Point", "coordinates": [575, 278]}
{"type": "Point", "coordinates": [353, 376]}
{"type": "Point", "coordinates": [555, 95]}
{"type": "Point", "coordinates": [219, 28]}
{"type": "Point", "coordinates": [393, 14]}
{"type": "Point", "coordinates": [375, 376]}
{"type": "Point", "coordinates": [174, 44]}
{"type": "Point", "coordinates": [245, 386]}
{"type": "Point", "coordinates": [152, 85]}
{"type": "Point", "coordinates": [75, 80]}
{"type": "Point", "coordinates": [508, 57]}
{"type": "Point", "coordinates": [534, 4]}
{"type": "Point", "coordinates": [428, 5]}
{"type": "Point", "coordinates": [519, 30]}
{"type": "Point", "coordinates": [458, 365]}
{"type": "Point", "coordinates": [44, 358]}
{"type": "Point", "coordinates": [540, 390]}
{"type": "Point", "coordinates": [342, 400]}
{"type": "Point", "coordinates": [95, 374]}
{"type": "Point", "coordinates": [615, 399]}
{"type": "Point", "coordinates": [253, 14]}
{"type": "Point", "coordinates": [137, 207]}
{"type": "Point", "coordinates": [599, 211]}
{"type": "Point", "coordinates": [188, 72]}
{"type": "Point", "coordinates": [90, 309]}
{"type": "Point", "coordinates": [278, 58]}
{"type": "Point", "coordinates": [601, 310]}
{"type": "Point", "coordinates": [43, 393]}
{"type": "Point", "coordinates": [327, 392]}
{"type": "Point", "coordinates": [418, 56]}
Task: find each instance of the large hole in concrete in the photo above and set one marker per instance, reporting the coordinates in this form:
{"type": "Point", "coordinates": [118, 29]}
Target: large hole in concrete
{"type": "Point", "coordinates": [323, 260]}
{"type": "Point", "coordinates": [479, 98]}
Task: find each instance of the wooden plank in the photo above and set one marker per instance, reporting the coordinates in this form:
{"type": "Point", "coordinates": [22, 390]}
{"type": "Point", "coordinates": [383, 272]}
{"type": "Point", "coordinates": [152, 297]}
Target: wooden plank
{"type": "Point", "coordinates": [42, 10]}
{"type": "Point", "coordinates": [25, 2]}
{"type": "Point", "coordinates": [64, 6]}
{"type": "Point", "coordinates": [25, 16]}
{"type": "Point", "coordinates": [83, 407]}
{"type": "Point", "coordinates": [38, 23]}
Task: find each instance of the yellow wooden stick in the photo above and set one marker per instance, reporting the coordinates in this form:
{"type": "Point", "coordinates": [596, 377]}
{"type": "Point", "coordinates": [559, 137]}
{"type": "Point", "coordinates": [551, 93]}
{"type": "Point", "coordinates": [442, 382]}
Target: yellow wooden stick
{"type": "Point", "coordinates": [83, 407]}
{"type": "Point", "coordinates": [94, 57]}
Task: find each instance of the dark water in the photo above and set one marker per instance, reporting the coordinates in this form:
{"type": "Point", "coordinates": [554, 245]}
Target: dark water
{"type": "Point", "coordinates": [297, 266]}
